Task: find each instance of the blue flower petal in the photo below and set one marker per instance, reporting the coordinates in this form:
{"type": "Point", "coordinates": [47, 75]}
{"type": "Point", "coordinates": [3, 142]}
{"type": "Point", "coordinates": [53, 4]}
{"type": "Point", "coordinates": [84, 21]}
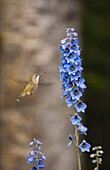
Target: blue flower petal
{"type": "Point", "coordinates": [82, 129]}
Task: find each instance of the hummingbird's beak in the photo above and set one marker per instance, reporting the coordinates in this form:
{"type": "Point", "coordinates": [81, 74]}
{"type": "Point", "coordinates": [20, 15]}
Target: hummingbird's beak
{"type": "Point", "coordinates": [42, 73]}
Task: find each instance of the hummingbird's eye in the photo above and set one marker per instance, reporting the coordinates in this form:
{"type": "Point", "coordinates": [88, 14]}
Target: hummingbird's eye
{"type": "Point", "coordinates": [35, 75]}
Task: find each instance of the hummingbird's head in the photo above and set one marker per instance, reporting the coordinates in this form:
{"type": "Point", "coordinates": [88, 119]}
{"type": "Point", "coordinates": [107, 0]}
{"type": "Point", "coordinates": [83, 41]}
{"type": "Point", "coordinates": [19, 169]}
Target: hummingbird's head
{"type": "Point", "coordinates": [35, 78]}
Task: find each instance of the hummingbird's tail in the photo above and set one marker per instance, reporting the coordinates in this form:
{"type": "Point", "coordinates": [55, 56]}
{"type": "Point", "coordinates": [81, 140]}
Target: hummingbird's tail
{"type": "Point", "coordinates": [21, 95]}
{"type": "Point", "coordinates": [18, 99]}
{"type": "Point", "coordinates": [42, 73]}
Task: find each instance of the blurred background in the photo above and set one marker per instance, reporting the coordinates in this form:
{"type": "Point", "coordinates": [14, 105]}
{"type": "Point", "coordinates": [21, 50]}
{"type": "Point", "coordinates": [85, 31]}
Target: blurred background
{"type": "Point", "coordinates": [30, 34]}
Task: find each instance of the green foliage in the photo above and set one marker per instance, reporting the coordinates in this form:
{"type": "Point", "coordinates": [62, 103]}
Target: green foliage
{"type": "Point", "coordinates": [96, 39]}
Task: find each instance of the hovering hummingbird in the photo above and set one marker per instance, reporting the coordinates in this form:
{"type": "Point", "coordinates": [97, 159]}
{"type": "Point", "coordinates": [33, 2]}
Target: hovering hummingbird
{"type": "Point", "coordinates": [32, 86]}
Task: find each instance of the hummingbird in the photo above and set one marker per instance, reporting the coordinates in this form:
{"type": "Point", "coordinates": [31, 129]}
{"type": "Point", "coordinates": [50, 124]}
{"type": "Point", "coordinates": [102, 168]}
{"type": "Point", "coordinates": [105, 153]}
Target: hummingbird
{"type": "Point", "coordinates": [32, 86]}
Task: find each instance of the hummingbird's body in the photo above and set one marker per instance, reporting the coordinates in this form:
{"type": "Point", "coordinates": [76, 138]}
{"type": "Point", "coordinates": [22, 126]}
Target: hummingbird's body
{"type": "Point", "coordinates": [32, 86]}
{"type": "Point", "coordinates": [29, 89]}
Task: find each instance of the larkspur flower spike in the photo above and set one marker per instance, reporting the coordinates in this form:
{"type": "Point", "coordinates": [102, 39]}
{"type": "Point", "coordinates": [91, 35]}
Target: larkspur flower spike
{"type": "Point", "coordinates": [71, 71]}
{"type": "Point", "coordinates": [36, 156]}
{"type": "Point", "coordinates": [96, 156]}
{"type": "Point", "coordinates": [73, 86]}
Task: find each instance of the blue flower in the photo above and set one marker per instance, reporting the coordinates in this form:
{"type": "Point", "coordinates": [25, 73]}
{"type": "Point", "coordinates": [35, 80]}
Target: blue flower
{"type": "Point", "coordinates": [43, 157]}
{"type": "Point", "coordinates": [70, 31]}
{"type": "Point", "coordinates": [32, 153]}
{"type": "Point", "coordinates": [71, 140]}
{"type": "Point", "coordinates": [35, 142]}
{"type": "Point", "coordinates": [82, 86]}
{"type": "Point", "coordinates": [30, 159]}
{"type": "Point", "coordinates": [64, 41]}
{"type": "Point", "coordinates": [36, 156]}
{"type": "Point", "coordinates": [80, 82]}
{"type": "Point", "coordinates": [65, 50]}
{"type": "Point", "coordinates": [78, 52]}
{"type": "Point", "coordinates": [84, 146]}
{"type": "Point", "coordinates": [33, 168]}
{"type": "Point", "coordinates": [80, 106]}
{"type": "Point", "coordinates": [65, 94]}
{"type": "Point", "coordinates": [75, 119]}
{"type": "Point", "coordinates": [63, 60]}
{"type": "Point", "coordinates": [74, 41]}
{"type": "Point", "coordinates": [68, 86]}
{"type": "Point", "coordinates": [75, 93]}
{"type": "Point", "coordinates": [64, 76]}
{"type": "Point", "coordinates": [78, 62]}
{"type": "Point", "coordinates": [40, 163]}
{"type": "Point", "coordinates": [62, 69]}
{"type": "Point", "coordinates": [82, 129]}
{"type": "Point", "coordinates": [70, 101]}
{"type": "Point", "coordinates": [71, 70]}
{"type": "Point", "coordinates": [73, 85]}
{"type": "Point", "coordinates": [75, 76]}
{"type": "Point", "coordinates": [71, 57]}
{"type": "Point", "coordinates": [74, 47]}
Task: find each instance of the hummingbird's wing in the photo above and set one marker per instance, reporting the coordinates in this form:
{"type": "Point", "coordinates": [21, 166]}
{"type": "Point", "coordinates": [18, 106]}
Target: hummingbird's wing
{"type": "Point", "coordinates": [46, 83]}
{"type": "Point", "coordinates": [19, 80]}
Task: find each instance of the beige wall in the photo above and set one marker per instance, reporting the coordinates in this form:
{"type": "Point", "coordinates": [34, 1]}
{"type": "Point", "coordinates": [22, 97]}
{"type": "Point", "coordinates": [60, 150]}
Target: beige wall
{"type": "Point", "coordinates": [31, 31]}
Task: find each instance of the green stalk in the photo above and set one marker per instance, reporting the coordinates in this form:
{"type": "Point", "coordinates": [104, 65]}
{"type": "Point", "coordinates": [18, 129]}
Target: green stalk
{"type": "Point", "coordinates": [77, 149]}
{"type": "Point", "coordinates": [97, 161]}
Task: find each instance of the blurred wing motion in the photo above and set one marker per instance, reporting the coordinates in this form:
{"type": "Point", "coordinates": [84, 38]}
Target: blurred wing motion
{"type": "Point", "coordinates": [46, 83]}
{"type": "Point", "coordinates": [19, 80]}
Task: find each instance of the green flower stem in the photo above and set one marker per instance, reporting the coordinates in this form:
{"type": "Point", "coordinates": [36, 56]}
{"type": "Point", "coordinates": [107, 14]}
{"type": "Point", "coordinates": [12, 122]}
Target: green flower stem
{"type": "Point", "coordinates": [78, 152]}
{"type": "Point", "coordinates": [97, 162]}
{"type": "Point", "coordinates": [97, 166]}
